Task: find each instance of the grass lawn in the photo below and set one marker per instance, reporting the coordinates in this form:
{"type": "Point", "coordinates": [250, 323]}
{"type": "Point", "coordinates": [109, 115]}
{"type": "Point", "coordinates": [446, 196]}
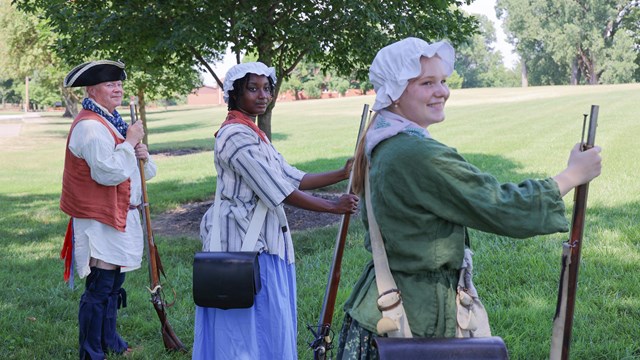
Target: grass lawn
{"type": "Point", "coordinates": [512, 133]}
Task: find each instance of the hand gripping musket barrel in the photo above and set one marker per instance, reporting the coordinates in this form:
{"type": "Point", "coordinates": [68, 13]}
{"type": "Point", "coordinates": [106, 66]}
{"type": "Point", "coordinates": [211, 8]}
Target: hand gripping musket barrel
{"type": "Point", "coordinates": [563, 318]}
{"type": "Point", "coordinates": [322, 343]}
{"type": "Point", "coordinates": [171, 341]}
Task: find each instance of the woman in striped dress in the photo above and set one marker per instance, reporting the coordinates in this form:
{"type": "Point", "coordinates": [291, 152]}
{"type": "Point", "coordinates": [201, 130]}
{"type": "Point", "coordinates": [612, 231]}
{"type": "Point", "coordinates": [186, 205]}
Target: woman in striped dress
{"type": "Point", "coordinates": [250, 169]}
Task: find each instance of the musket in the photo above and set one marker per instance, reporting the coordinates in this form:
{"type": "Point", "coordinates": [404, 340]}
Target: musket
{"type": "Point", "coordinates": [563, 318]}
{"type": "Point", "coordinates": [171, 341]}
{"type": "Point", "coordinates": [322, 343]}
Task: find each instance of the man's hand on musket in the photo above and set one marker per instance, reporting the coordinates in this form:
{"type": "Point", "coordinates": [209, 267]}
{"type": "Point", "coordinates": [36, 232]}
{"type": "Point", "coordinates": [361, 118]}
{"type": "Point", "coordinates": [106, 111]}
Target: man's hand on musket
{"type": "Point", "coordinates": [142, 153]}
{"type": "Point", "coordinates": [135, 133]}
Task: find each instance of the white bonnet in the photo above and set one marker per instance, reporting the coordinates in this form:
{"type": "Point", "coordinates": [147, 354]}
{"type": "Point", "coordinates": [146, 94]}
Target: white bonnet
{"type": "Point", "coordinates": [396, 64]}
{"type": "Point", "coordinates": [240, 70]}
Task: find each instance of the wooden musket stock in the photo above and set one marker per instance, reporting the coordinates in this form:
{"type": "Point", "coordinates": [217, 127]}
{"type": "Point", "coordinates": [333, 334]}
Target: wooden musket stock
{"type": "Point", "coordinates": [171, 341]}
{"type": "Point", "coordinates": [323, 342]}
{"type": "Point", "coordinates": [563, 319]}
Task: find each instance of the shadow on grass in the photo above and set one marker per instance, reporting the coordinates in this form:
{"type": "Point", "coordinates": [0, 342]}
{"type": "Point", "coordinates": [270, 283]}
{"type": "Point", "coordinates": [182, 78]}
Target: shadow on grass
{"type": "Point", "coordinates": [178, 127]}
{"type": "Point", "coordinates": [66, 121]}
{"type": "Point", "coordinates": [504, 169]}
{"type": "Point", "coordinates": [58, 134]}
{"type": "Point", "coordinates": [27, 219]}
{"type": "Point", "coordinates": [279, 136]}
{"type": "Point", "coordinates": [179, 147]}
{"type": "Point", "coordinates": [164, 195]}
{"type": "Point", "coordinates": [183, 110]}
{"type": "Point", "coordinates": [322, 165]}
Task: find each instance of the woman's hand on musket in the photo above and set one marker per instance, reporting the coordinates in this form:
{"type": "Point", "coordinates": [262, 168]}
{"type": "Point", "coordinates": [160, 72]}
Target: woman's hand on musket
{"type": "Point", "coordinates": [347, 203]}
{"type": "Point", "coordinates": [348, 166]}
{"type": "Point", "coordinates": [582, 167]}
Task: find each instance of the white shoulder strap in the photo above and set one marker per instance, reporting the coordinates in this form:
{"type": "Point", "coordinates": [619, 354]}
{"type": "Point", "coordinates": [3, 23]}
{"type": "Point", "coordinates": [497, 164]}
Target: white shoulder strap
{"type": "Point", "coordinates": [251, 237]}
{"type": "Point", "coordinates": [394, 320]}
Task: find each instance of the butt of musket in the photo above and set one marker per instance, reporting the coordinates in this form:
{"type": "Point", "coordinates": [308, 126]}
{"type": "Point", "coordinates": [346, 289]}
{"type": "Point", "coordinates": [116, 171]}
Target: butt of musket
{"type": "Point", "coordinates": [322, 342]}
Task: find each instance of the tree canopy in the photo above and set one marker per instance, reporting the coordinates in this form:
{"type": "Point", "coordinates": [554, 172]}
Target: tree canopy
{"type": "Point", "coordinates": [569, 41]}
{"type": "Point", "coordinates": [25, 51]}
{"type": "Point", "coordinates": [341, 35]}
{"type": "Point", "coordinates": [129, 31]}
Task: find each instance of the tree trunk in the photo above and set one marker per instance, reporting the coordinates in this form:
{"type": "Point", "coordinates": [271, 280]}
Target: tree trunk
{"type": "Point", "coordinates": [264, 121]}
{"type": "Point", "coordinates": [575, 72]}
{"type": "Point", "coordinates": [591, 68]}
{"type": "Point", "coordinates": [143, 114]}
{"type": "Point", "coordinates": [70, 103]}
{"type": "Point", "coordinates": [524, 75]}
{"type": "Point", "coordinates": [595, 78]}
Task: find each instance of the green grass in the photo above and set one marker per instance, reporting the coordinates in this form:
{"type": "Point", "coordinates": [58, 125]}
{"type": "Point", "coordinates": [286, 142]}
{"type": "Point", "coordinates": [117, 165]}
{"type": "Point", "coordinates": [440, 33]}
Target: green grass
{"type": "Point", "coordinates": [512, 133]}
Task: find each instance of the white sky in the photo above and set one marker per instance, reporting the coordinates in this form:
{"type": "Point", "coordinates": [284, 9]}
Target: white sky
{"type": "Point", "coordinates": [220, 68]}
{"type": "Point", "coordinates": [485, 7]}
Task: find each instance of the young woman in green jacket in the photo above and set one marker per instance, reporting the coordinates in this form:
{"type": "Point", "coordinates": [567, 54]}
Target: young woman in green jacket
{"type": "Point", "coordinates": [425, 195]}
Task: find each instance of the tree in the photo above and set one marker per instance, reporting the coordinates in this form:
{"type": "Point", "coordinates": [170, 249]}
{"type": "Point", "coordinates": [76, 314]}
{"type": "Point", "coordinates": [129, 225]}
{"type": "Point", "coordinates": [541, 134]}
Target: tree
{"type": "Point", "coordinates": [568, 40]}
{"type": "Point", "coordinates": [455, 80]}
{"type": "Point", "coordinates": [478, 63]}
{"type": "Point", "coordinates": [339, 84]}
{"type": "Point", "coordinates": [138, 33]}
{"type": "Point", "coordinates": [621, 65]}
{"type": "Point", "coordinates": [300, 78]}
{"type": "Point", "coordinates": [7, 92]}
{"type": "Point", "coordinates": [631, 27]}
{"type": "Point", "coordinates": [25, 52]}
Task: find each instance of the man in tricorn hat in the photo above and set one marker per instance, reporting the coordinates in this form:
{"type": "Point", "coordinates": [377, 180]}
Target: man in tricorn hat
{"type": "Point", "coordinates": [101, 191]}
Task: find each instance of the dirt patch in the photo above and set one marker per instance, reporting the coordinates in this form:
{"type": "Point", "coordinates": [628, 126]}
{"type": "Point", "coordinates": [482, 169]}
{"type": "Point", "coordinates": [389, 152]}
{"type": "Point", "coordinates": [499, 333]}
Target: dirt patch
{"type": "Point", "coordinates": [185, 220]}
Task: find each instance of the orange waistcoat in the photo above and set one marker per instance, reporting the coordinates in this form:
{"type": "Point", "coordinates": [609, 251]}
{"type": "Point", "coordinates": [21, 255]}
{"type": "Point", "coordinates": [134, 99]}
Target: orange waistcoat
{"type": "Point", "coordinates": [84, 198]}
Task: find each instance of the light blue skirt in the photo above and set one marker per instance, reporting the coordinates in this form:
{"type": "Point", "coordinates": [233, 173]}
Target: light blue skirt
{"type": "Point", "coordinates": [267, 330]}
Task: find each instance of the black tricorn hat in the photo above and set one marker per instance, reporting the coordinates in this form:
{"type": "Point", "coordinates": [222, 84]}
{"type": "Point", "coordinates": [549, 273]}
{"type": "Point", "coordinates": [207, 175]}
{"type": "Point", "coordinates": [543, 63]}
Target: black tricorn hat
{"type": "Point", "coordinates": [95, 72]}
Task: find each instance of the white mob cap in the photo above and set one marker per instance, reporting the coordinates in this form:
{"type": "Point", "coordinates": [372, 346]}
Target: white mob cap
{"type": "Point", "coordinates": [396, 64]}
{"type": "Point", "coordinates": [240, 70]}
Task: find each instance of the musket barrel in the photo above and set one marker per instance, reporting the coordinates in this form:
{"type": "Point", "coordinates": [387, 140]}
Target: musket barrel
{"type": "Point", "coordinates": [169, 338]}
{"type": "Point", "coordinates": [563, 320]}
{"type": "Point", "coordinates": [322, 343]}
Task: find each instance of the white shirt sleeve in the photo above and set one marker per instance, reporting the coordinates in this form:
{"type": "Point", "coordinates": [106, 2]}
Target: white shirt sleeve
{"type": "Point", "coordinates": [110, 165]}
{"type": "Point", "coordinates": [150, 169]}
